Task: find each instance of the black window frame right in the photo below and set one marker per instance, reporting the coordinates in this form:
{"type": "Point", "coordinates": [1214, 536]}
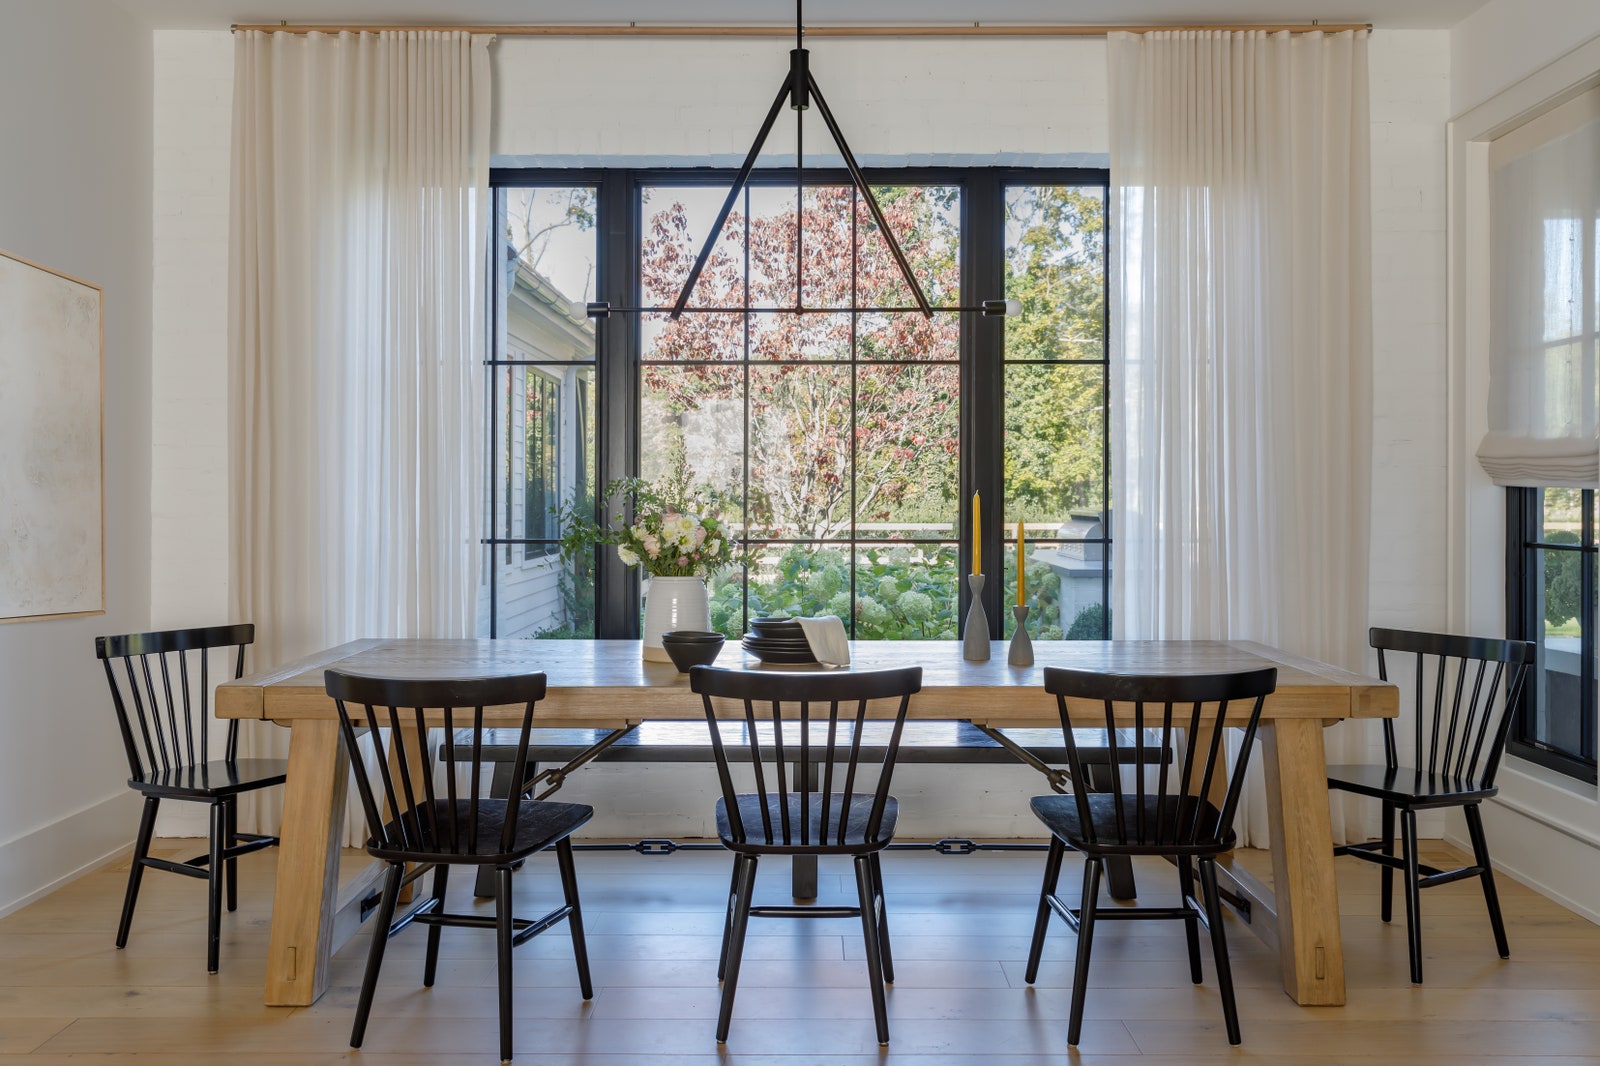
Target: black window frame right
{"type": "Point", "coordinates": [1524, 593]}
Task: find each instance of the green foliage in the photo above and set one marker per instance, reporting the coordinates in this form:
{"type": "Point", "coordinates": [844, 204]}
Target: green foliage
{"type": "Point", "coordinates": [576, 587]}
{"type": "Point", "coordinates": [1092, 623]}
{"type": "Point", "coordinates": [1056, 269]}
{"type": "Point", "coordinates": [1563, 597]}
{"type": "Point", "coordinates": [668, 527]}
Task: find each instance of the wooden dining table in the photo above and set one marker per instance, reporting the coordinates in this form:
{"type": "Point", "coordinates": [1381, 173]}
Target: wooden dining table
{"type": "Point", "coordinates": [607, 684]}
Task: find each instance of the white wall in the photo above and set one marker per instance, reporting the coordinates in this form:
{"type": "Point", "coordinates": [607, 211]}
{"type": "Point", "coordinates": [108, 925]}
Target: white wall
{"type": "Point", "coordinates": [1506, 40]}
{"type": "Point", "coordinates": [1511, 58]}
{"type": "Point", "coordinates": [75, 107]}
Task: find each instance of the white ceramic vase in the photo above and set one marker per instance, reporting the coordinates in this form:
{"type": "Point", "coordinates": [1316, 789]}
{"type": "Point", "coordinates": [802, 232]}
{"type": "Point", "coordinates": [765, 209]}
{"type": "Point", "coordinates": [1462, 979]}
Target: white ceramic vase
{"type": "Point", "coordinates": [673, 603]}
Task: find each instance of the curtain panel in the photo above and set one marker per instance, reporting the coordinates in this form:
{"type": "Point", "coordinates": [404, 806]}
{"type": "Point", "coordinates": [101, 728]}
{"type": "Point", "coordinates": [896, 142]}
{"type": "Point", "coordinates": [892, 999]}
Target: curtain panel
{"type": "Point", "coordinates": [359, 210]}
{"type": "Point", "coordinates": [1242, 348]}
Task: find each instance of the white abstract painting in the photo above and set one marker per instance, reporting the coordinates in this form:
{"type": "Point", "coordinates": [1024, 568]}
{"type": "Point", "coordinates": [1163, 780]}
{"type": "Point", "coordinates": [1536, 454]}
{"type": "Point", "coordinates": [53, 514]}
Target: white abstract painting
{"type": "Point", "coordinates": [51, 496]}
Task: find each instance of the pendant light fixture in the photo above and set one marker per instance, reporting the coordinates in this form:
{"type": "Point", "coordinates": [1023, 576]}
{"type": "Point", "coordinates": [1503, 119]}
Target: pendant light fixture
{"type": "Point", "coordinates": [799, 90]}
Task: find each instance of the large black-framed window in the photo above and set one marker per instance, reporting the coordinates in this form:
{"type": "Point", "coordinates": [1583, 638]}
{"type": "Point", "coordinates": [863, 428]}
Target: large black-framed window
{"type": "Point", "coordinates": [849, 444]}
{"type": "Point", "coordinates": [1551, 599]}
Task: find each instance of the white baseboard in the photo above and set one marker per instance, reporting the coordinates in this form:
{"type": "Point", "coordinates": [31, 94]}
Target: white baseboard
{"type": "Point", "coordinates": [1538, 883]}
{"type": "Point", "coordinates": [41, 861]}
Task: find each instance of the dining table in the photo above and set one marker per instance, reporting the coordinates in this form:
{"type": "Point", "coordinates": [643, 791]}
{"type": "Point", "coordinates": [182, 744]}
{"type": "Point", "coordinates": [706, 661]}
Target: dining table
{"type": "Point", "coordinates": [607, 684]}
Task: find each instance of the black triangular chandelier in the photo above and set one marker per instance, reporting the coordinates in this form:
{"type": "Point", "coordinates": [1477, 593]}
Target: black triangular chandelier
{"type": "Point", "coordinates": [799, 90]}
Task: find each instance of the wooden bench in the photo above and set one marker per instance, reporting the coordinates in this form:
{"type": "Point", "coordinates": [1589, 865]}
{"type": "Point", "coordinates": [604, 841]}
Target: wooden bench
{"type": "Point", "coordinates": [920, 742]}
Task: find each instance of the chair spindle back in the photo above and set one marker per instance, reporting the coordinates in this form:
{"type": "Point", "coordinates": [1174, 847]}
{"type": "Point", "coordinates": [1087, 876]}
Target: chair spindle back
{"type": "Point", "coordinates": [1170, 815]}
{"type": "Point", "coordinates": [783, 715]}
{"type": "Point", "coordinates": [162, 693]}
{"type": "Point", "coordinates": [399, 715]}
{"type": "Point", "coordinates": [1476, 685]}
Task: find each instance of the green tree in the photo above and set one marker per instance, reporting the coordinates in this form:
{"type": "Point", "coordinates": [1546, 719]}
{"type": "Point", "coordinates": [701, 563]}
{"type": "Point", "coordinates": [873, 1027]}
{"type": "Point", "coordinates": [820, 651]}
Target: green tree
{"type": "Point", "coordinates": [1056, 269]}
{"type": "Point", "coordinates": [1563, 595]}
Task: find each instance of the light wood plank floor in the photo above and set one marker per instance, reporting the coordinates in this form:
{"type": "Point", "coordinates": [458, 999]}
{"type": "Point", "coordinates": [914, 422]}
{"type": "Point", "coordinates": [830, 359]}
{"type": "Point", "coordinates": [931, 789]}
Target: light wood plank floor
{"type": "Point", "coordinates": [960, 928]}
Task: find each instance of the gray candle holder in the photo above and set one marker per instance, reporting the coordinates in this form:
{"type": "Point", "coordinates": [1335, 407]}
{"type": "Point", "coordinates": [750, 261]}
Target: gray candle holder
{"type": "Point", "coordinates": [1021, 652]}
{"type": "Point", "coordinates": [975, 641]}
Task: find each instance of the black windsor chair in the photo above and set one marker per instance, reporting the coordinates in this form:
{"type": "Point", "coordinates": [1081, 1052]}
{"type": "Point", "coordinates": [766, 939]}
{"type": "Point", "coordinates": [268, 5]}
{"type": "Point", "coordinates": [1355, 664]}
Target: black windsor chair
{"type": "Point", "coordinates": [163, 703]}
{"type": "Point", "coordinates": [815, 722]}
{"type": "Point", "coordinates": [1173, 818]}
{"type": "Point", "coordinates": [412, 822]}
{"type": "Point", "coordinates": [1460, 737]}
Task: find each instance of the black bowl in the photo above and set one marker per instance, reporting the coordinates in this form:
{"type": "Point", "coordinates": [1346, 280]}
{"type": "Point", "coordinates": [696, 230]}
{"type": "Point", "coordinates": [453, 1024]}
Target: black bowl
{"type": "Point", "coordinates": [690, 648]}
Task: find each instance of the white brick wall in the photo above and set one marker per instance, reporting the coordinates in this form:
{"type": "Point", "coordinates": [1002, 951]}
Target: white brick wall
{"type": "Point", "coordinates": [189, 493]}
{"type": "Point", "coordinates": [1410, 94]}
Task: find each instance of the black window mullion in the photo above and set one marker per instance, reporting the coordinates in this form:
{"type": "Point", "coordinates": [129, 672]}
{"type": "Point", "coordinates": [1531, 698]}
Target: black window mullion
{"type": "Point", "coordinates": [617, 389]}
{"type": "Point", "coordinates": [982, 392]}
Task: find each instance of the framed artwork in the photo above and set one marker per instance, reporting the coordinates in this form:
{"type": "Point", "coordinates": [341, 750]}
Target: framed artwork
{"type": "Point", "coordinates": [52, 473]}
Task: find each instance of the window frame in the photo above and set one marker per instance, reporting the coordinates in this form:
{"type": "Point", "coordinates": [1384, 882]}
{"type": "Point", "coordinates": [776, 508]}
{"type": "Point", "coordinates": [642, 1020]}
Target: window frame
{"type": "Point", "coordinates": [981, 367]}
{"type": "Point", "coordinates": [1524, 577]}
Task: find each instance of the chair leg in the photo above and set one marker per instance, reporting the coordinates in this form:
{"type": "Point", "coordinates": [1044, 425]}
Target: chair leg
{"type": "Point", "coordinates": [881, 903]}
{"type": "Point", "coordinates": [380, 940]}
{"type": "Point", "coordinates": [1408, 850]}
{"type": "Point", "coordinates": [1388, 872]}
{"type": "Point", "coordinates": [865, 889]}
{"type": "Point", "coordinates": [441, 883]}
{"type": "Point", "coordinates": [141, 849]}
{"type": "Point", "coordinates": [1191, 924]}
{"type": "Point", "coordinates": [1219, 947]}
{"type": "Point", "coordinates": [214, 876]}
{"type": "Point", "coordinates": [1052, 874]}
{"type": "Point", "coordinates": [1480, 855]}
{"type": "Point", "coordinates": [727, 921]}
{"type": "Point", "coordinates": [232, 882]}
{"type": "Point", "coordinates": [745, 867]}
{"type": "Point", "coordinates": [569, 888]}
{"type": "Point", "coordinates": [1080, 971]}
{"type": "Point", "coordinates": [503, 932]}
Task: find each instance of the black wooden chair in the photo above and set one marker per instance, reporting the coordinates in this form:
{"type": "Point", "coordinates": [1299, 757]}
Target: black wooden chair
{"type": "Point", "coordinates": [1459, 736]}
{"type": "Point", "coordinates": [411, 822]}
{"type": "Point", "coordinates": [815, 722]}
{"type": "Point", "coordinates": [1169, 817]}
{"type": "Point", "coordinates": [162, 694]}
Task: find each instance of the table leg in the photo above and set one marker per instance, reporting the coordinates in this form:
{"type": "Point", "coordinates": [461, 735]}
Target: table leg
{"type": "Point", "coordinates": [803, 868]}
{"type": "Point", "coordinates": [308, 864]}
{"type": "Point", "coordinates": [1119, 868]}
{"type": "Point", "coordinates": [1311, 952]}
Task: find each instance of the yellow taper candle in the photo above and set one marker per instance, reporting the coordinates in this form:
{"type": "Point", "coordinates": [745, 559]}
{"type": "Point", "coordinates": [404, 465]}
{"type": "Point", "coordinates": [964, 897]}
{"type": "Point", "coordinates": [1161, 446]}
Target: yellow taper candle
{"type": "Point", "coordinates": [977, 536]}
{"type": "Point", "coordinates": [1022, 568]}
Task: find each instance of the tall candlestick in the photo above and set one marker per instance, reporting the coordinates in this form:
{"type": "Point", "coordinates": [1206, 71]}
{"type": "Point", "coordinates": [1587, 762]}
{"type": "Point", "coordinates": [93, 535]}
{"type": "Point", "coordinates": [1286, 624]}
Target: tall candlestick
{"type": "Point", "coordinates": [1022, 569]}
{"type": "Point", "coordinates": [977, 535]}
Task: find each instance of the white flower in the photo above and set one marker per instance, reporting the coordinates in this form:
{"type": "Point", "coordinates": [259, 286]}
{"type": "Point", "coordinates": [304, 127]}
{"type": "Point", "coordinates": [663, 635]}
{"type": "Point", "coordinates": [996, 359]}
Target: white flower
{"type": "Point", "coordinates": [627, 556]}
{"type": "Point", "coordinates": [638, 531]}
{"type": "Point", "coordinates": [714, 549]}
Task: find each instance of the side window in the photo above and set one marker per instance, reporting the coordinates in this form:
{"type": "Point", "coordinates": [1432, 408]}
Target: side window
{"type": "Point", "coordinates": [1552, 600]}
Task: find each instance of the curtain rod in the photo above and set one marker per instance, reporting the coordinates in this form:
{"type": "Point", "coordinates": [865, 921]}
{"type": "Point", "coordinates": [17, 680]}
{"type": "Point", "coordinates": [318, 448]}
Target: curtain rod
{"type": "Point", "coordinates": [974, 30]}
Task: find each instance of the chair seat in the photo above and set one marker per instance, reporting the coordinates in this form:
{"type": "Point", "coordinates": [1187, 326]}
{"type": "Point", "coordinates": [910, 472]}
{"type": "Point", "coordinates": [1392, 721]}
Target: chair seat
{"type": "Point", "coordinates": [212, 779]}
{"type": "Point", "coordinates": [1408, 787]}
{"type": "Point", "coordinates": [1060, 815]}
{"type": "Point", "coordinates": [540, 823]}
{"type": "Point", "coordinates": [822, 840]}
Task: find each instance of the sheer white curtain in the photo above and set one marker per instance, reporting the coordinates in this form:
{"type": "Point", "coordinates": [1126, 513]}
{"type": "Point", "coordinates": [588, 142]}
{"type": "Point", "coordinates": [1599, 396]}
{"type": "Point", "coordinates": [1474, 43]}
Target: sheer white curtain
{"type": "Point", "coordinates": [1544, 304]}
{"type": "Point", "coordinates": [359, 200]}
{"type": "Point", "coordinates": [1241, 347]}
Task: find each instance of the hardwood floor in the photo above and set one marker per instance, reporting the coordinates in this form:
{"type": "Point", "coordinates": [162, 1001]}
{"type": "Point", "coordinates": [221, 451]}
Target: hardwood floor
{"type": "Point", "coordinates": [960, 934]}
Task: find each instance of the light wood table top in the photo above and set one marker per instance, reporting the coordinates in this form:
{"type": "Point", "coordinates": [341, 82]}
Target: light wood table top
{"type": "Point", "coordinates": [601, 682]}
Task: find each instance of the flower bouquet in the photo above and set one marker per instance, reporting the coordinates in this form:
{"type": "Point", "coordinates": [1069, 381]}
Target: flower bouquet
{"type": "Point", "coordinates": [673, 534]}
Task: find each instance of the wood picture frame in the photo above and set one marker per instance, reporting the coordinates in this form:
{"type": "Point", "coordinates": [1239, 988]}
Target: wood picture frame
{"type": "Point", "coordinates": [52, 443]}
